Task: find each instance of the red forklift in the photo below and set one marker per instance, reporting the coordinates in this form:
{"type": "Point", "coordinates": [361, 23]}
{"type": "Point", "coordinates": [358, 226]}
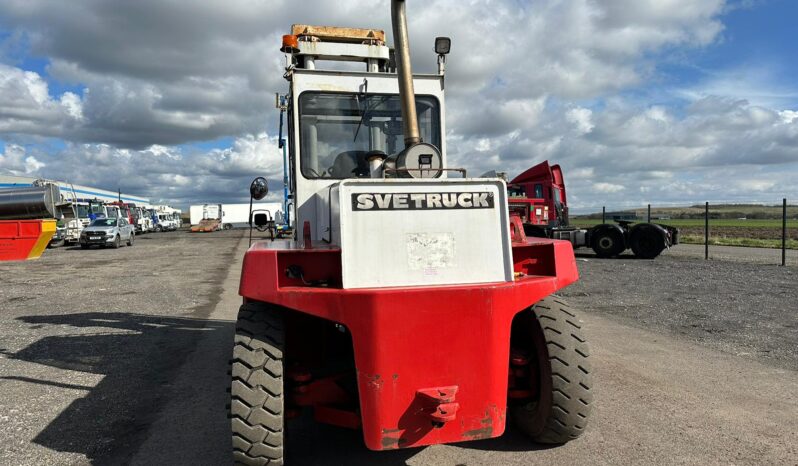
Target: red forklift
{"type": "Point", "coordinates": [409, 304]}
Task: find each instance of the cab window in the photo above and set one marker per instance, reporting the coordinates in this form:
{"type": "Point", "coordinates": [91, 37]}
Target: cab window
{"type": "Point", "coordinates": [337, 130]}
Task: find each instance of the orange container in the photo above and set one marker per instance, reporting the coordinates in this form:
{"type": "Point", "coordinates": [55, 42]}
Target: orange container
{"type": "Point", "coordinates": [24, 239]}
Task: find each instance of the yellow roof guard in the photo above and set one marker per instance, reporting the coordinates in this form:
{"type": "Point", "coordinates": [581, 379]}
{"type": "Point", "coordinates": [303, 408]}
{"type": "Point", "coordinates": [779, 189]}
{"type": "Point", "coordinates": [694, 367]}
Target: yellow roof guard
{"type": "Point", "coordinates": [338, 34]}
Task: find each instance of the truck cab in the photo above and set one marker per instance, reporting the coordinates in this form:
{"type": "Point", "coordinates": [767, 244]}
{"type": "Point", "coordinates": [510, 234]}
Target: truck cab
{"type": "Point", "coordinates": [544, 183]}
{"type": "Point", "coordinates": [112, 211]}
{"type": "Point", "coordinates": [168, 218]}
{"type": "Point", "coordinates": [76, 218]}
{"type": "Point", "coordinates": [79, 215]}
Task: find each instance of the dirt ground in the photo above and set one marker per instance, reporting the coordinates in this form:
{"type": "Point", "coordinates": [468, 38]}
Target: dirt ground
{"type": "Point", "coordinates": [120, 357]}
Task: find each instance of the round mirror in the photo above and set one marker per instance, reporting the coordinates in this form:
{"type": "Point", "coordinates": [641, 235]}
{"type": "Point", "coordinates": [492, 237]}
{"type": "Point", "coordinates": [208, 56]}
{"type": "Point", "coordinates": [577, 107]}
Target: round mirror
{"type": "Point", "coordinates": [259, 188]}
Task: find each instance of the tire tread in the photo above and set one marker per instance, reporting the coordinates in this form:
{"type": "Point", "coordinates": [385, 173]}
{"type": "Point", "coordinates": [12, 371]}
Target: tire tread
{"type": "Point", "coordinates": [256, 390]}
{"type": "Point", "coordinates": [569, 357]}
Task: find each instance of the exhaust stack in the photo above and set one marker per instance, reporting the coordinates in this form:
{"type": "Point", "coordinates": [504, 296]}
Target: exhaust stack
{"type": "Point", "coordinates": [404, 71]}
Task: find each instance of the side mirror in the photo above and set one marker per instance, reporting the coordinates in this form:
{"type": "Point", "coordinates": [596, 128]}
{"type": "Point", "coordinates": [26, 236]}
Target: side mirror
{"type": "Point", "coordinates": [259, 188]}
{"type": "Point", "coordinates": [261, 220]}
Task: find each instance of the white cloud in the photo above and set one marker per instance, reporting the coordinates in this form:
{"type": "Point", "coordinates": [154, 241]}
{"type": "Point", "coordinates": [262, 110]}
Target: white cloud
{"type": "Point", "coordinates": [26, 105]}
{"type": "Point", "coordinates": [162, 174]}
{"type": "Point", "coordinates": [17, 162]}
{"type": "Point", "coordinates": [608, 187]}
{"type": "Point", "coordinates": [526, 81]}
{"type": "Point", "coordinates": [581, 118]}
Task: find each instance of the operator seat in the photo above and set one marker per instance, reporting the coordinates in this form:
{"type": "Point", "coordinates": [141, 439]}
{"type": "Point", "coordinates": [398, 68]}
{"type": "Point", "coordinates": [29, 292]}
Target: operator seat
{"type": "Point", "coordinates": [350, 164]}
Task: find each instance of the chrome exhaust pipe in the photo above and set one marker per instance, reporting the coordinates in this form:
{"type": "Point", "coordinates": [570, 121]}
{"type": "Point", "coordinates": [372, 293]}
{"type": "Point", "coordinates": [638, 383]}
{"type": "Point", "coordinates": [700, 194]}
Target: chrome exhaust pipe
{"type": "Point", "coordinates": [404, 71]}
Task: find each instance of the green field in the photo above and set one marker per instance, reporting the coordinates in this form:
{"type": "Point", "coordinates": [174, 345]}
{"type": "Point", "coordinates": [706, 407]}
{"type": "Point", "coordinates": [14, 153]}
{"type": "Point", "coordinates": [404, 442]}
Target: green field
{"type": "Point", "coordinates": [744, 242]}
{"type": "Point", "coordinates": [699, 222]}
{"type": "Point", "coordinates": [757, 233]}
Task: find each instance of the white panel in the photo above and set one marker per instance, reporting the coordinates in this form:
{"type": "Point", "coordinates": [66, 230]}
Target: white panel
{"type": "Point", "coordinates": [434, 232]}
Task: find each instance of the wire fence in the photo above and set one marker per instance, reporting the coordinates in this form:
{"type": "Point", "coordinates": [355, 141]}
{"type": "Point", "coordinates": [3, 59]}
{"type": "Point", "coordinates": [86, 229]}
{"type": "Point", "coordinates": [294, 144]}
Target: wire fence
{"type": "Point", "coordinates": [722, 224]}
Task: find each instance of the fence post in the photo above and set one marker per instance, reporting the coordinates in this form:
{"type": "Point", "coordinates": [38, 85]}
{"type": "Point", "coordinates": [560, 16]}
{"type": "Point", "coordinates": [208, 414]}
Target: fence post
{"type": "Point", "coordinates": [706, 231]}
{"type": "Point", "coordinates": [649, 214]}
{"type": "Point", "coordinates": [603, 215]}
{"type": "Point", "coordinates": [784, 232]}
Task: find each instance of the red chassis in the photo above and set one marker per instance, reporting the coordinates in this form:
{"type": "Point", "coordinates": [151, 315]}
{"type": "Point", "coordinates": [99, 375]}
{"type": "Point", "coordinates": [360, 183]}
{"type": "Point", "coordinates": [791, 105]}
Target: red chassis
{"type": "Point", "coordinates": [432, 363]}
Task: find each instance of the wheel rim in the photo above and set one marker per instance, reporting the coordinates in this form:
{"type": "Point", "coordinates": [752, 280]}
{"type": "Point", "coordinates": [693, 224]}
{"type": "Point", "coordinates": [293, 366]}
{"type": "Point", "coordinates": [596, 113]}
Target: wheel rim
{"type": "Point", "coordinates": [606, 242]}
{"type": "Point", "coordinates": [527, 337]}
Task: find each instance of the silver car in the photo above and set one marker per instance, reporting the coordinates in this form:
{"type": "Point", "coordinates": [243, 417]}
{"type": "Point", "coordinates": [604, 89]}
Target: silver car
{"type": "Point", "coordinates": [107, 232]}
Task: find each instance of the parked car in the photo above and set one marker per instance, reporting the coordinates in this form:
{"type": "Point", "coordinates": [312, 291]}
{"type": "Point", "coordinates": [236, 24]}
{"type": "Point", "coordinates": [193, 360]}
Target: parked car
{"type": "Point", "coordinates": [107, 232]}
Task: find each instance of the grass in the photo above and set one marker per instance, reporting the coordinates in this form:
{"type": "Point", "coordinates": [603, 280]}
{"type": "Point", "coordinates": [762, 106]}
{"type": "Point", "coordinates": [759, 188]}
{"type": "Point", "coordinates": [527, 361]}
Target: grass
{"type": "Point", "coordinates": [745, 242]}
{"type": "Point", "coordinates": [699, 222]}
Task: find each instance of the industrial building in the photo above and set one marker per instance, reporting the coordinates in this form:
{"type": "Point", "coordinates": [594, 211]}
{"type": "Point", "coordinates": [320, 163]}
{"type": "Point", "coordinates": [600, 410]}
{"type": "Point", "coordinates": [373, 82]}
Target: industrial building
{"type": "Point", "coordinates": [71, 191]}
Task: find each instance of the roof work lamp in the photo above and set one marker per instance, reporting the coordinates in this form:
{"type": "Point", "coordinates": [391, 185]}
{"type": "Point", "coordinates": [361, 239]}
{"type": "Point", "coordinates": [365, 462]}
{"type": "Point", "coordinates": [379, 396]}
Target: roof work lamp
{"type": "Point", "coordinates": [442, 47]}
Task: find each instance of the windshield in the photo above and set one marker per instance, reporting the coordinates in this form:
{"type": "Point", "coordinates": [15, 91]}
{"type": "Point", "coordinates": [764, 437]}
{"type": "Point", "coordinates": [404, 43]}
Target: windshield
{"type": "Point", "coordinates": [337, 130]}
{"type": "Point", "coordinates": [104, 222]}
{"type": "Point", "coordinates": [83, 211]}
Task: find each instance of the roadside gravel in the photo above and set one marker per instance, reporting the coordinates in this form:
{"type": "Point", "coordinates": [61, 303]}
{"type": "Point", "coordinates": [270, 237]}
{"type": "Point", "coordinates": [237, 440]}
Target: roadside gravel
{"type": "Point", "coordinates": [742, 308]}
{"type": "Point", "coordinates": [90, 341]}
{"type": "Point", "coordinates": [120, 357]}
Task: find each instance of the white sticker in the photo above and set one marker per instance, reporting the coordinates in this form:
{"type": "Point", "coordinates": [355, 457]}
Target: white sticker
{"type": "Point", "coordinates": [430, 251]}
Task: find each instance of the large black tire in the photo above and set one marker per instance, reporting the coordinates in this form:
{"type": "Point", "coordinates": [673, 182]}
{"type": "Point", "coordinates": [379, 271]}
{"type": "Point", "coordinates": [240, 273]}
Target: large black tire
{"type": "Point", "coordinates": [552, 334]}
{"type": "Point", "coordinates": [607, 242]}
{"type": "Point", "coordinates": [256, 404]}
{"type": "Point", "coordinates": [117, 242]}
{"type": "Point", "coordinates": [227, 226]}
{"type": "Point", "coordinates": [648, 241]}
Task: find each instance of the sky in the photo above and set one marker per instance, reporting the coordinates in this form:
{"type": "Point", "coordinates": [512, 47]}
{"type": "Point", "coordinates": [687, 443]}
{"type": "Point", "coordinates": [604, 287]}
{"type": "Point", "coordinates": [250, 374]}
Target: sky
{"type": "Point", "coordinates": [668, 102]}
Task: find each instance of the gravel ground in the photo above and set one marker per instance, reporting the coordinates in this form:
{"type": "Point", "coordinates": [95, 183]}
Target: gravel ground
{"type": "Point", "coordinates": [747, 309]}
{"type": "Point", "coordinates": [120, 357]}
{"type": "Point", "coordinates": [735, 254]}
{"type": "Point", "coordinates": [90, 340]}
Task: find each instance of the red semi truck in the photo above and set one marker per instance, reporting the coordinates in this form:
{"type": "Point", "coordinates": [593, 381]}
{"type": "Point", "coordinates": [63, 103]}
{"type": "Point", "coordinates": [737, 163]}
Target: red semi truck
{"type": "Point", "coordinates": [538, 197]}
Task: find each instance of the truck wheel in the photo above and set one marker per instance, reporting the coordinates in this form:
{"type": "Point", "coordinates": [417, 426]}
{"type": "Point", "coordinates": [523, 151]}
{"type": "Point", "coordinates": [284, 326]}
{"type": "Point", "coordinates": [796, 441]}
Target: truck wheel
{"type": "Point", "coordinates": [560, 386]}
{"type": "Point", "coordinates": [607, 243]}
{"type": "Point", "coordinates": [130, 240]}
{"type": "Point", "coordinates": [256, 404]}
{"type": "Point", "coordinates": [227, 226]}
{"type": "Point", "coordinates": [647, 242]}
{"type": "Point", "coordinates": [117, 242]}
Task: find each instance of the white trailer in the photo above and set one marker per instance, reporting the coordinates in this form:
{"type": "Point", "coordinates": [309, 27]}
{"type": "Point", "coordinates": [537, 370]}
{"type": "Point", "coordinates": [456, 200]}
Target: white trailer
{"type": "Point", "coordinates": [200, 212]}
{"type": "Point", "coordinates": [232, 215]}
